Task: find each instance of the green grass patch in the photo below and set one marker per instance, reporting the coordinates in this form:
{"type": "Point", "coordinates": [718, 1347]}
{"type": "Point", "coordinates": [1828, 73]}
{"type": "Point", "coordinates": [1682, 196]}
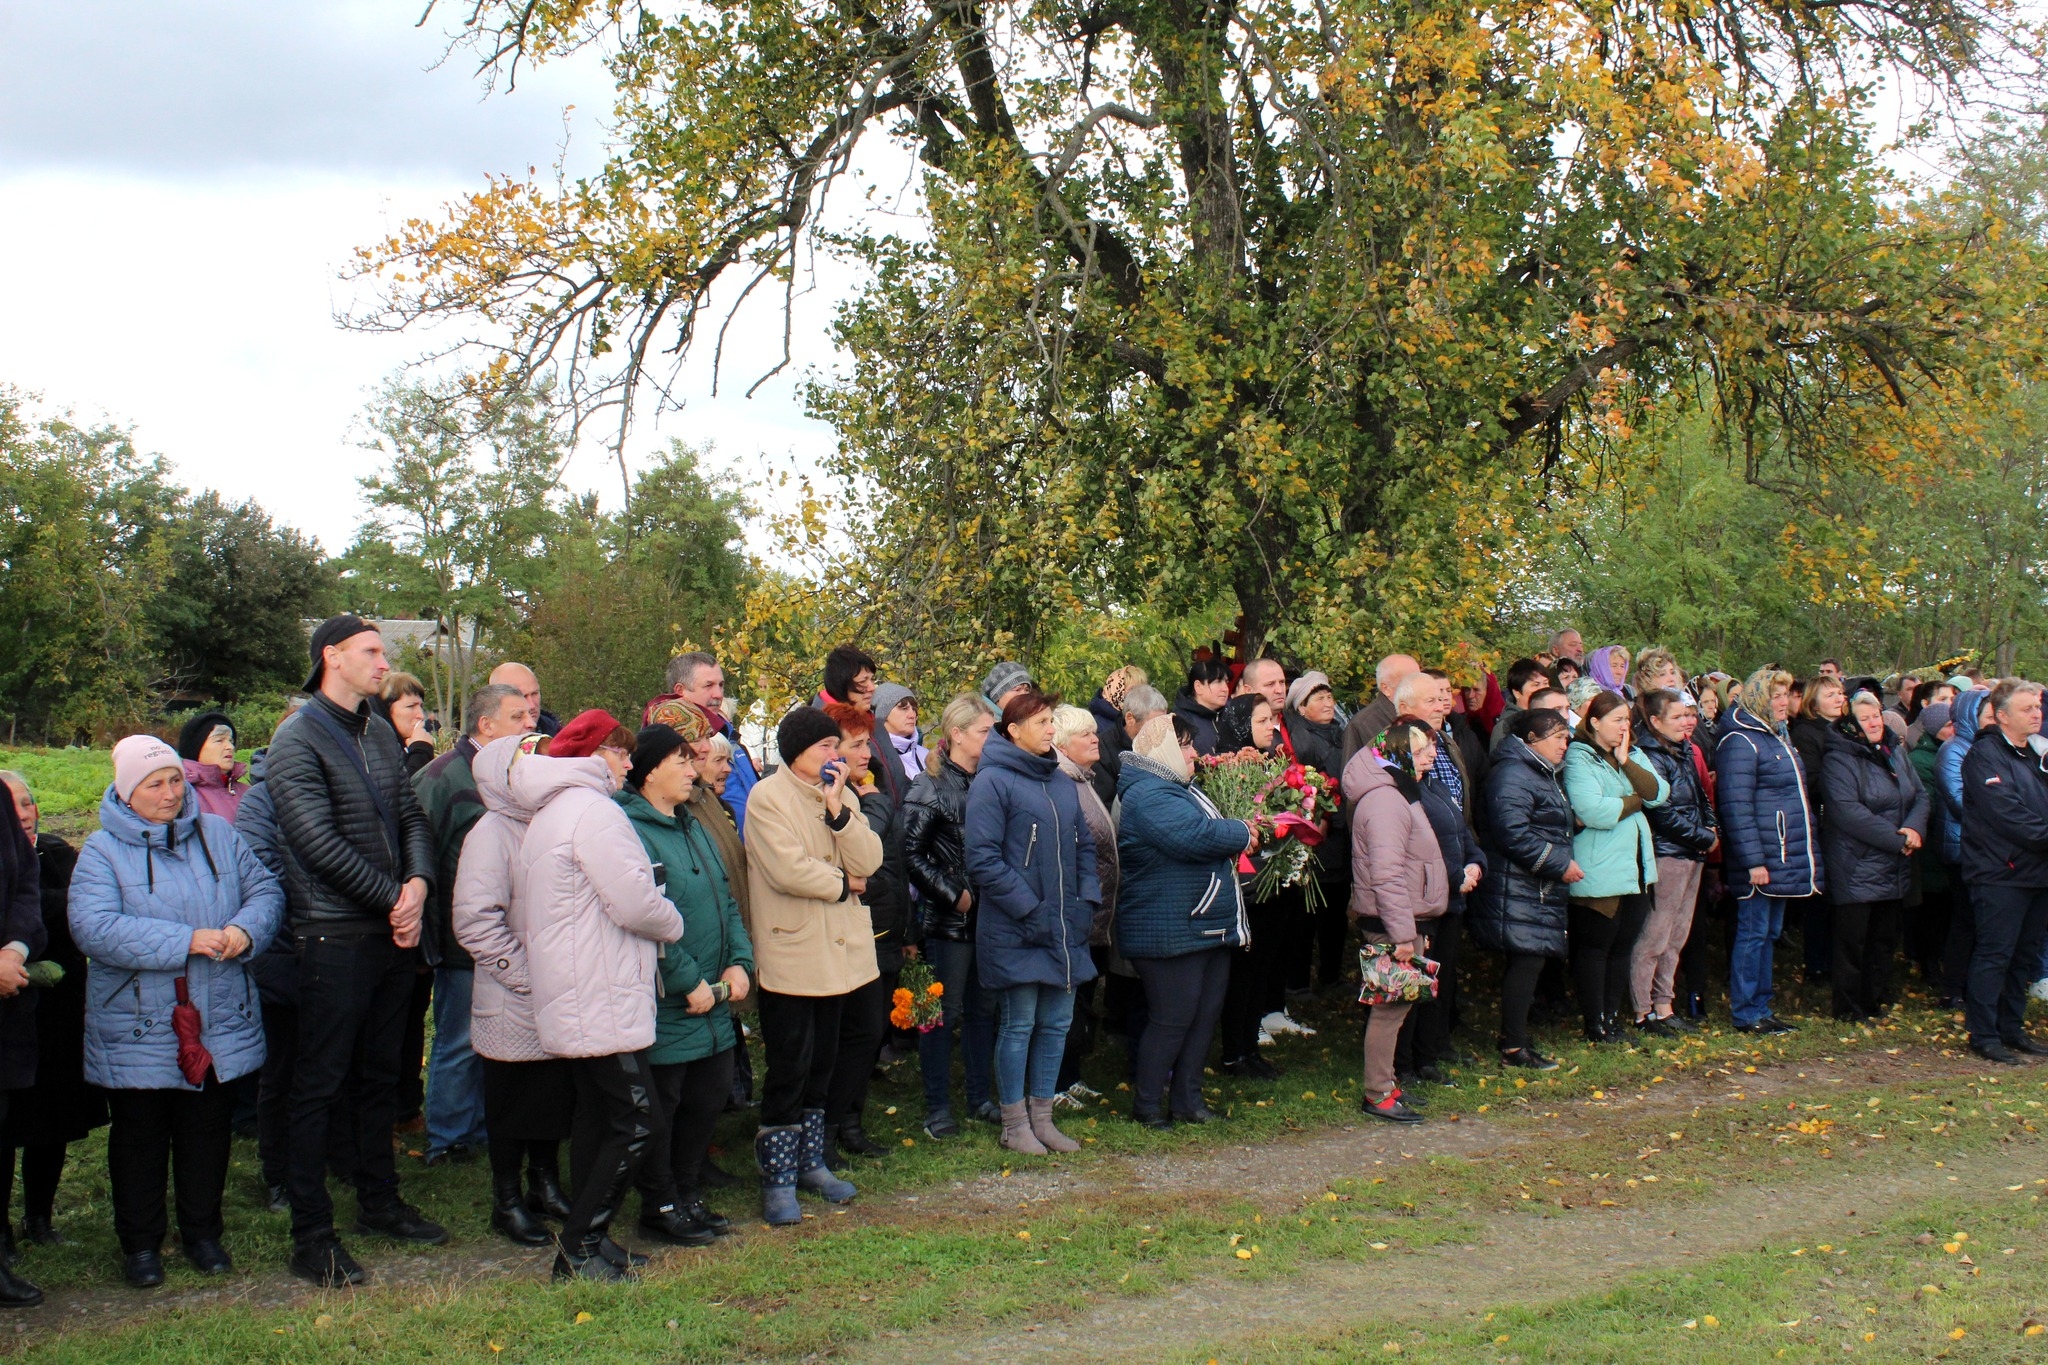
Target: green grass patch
{"type": "Point", "coordinates": [67, 783]}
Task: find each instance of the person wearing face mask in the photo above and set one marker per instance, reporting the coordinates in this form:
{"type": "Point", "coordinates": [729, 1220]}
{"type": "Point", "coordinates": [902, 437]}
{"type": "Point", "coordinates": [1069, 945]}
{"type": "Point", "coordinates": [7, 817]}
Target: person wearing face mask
{"type": "Point", "coordinates": [1520, 908]}
{"type": "Point", "coordinates": [1770, 833]}
{"type": "Point", "coordinates": [1684, 831]}
{"type": "Point", "coordinates": [169, 905]}
{"type": "Point", "coordinates": [207, 744]}
{"type": "Point", "coordinates": [1875, 824]}
{"type": "Point", "coordinates": [594, 918]}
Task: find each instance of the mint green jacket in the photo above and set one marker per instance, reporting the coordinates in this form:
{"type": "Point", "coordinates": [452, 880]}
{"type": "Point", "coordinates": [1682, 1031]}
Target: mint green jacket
{"type": "Point", "coordinates": [1615, 851]}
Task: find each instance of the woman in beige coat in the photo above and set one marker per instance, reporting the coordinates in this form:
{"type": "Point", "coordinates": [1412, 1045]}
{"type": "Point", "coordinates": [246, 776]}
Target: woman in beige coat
{"type": "Point", "coordinates": [809, 855]}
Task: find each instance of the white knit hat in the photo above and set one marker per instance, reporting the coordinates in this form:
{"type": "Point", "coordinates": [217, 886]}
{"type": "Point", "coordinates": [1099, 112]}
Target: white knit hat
{"type": "Point", "coordinates": [136, 757]}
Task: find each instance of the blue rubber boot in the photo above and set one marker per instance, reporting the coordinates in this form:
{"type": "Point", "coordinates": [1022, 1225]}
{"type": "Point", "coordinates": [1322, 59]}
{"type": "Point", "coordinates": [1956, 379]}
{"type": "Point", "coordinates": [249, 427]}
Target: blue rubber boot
{"type": "Point", "coordinates": [812, 1173]}
{"type": "Point", "coordinates": [776, 1151]}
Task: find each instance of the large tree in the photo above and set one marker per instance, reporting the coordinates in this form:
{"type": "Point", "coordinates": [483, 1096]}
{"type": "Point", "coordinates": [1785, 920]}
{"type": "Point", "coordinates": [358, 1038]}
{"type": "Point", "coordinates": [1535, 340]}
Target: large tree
{"type": "Point", "coordinates": [1290, 301]}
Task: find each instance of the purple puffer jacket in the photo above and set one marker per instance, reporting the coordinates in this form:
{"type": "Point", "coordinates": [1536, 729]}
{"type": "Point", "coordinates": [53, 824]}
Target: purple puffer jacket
{"type": "Point", "coordinates": [219, 793]}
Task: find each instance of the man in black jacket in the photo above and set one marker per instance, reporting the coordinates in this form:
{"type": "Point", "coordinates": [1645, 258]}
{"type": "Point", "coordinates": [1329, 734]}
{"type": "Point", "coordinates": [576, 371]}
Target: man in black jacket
{"type": "Point", "coordinates": [2005, 865]}
{"type": "Point", "coordinates": [361, 861]}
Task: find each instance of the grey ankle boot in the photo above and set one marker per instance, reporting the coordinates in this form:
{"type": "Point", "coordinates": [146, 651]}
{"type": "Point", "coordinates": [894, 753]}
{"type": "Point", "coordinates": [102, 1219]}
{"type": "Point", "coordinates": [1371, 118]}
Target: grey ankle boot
{"type": "Point", "coordinates": [1017, 1134]}
{"type": "Point", "coordinates": [1040, 1112]}
{"type": "Point", "coordinates": [775, 1152]}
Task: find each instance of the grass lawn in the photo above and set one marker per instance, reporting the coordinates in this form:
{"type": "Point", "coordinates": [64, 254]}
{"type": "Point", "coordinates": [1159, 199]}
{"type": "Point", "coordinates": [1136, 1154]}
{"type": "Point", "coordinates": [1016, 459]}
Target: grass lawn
{"type": "Point", "coordinates": [68, 784]}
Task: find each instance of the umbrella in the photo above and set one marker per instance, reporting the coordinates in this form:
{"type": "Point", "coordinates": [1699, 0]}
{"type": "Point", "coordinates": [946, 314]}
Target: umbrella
{"type": "Point", "coordinates": [193, 1058]}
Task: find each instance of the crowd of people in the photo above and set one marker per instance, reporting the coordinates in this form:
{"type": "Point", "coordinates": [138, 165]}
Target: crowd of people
{"type": "Point", "coordinates": [586, 908]}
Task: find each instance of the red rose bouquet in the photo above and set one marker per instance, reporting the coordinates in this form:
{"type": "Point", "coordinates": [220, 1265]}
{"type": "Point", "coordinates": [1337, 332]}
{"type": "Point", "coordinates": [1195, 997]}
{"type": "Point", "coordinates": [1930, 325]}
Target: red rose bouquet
{"type": "Point", "coordinates": [1289, 802]}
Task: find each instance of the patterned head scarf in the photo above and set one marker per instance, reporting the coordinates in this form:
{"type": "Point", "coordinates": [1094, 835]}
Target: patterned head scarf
{"type": "Point", "coordinates": [684, 718]}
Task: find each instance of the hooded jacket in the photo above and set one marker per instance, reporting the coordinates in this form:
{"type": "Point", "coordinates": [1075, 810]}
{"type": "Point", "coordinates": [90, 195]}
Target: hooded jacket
{"type": "Point", "coordinates": [1526, 828]}
{"type": "Point", "coordinates": [1398, 878]}
{"type": "Point", "coordinates": [1949, 771]}
{"type": "Point", "coordinates": [483, 918]}
{"type": "Point", "coordinates": [138, 892]}
{"type": "Point", "coordinates": [1767, 818]}
{"type": "Point", "coordinates": [714, 936]}
{"type": "Point", "coordinates": [1032, 862]}
{"type": "Point", "coordinates": [2005, 814]}
{"type": "Point", "coordinates": [1873, 793]}
{"type": "Point", "coordinates": [1455, 839]}
{"type": "Point", "coordinates": [1685, 826]}
{"type": "Point", "coordinates": [1176, 855]}
{"type": "Point", "coordinates": [888, 894]}
{"type": "Point", "coordinates": [591, 916]}
{"type": "Point", "coordinates": [220, 793]}
{"type": "Point", "coordinates": [1925, 756]}
{"type": "Point", "coordinates": [812, 935]}
{"type": "Point", "coordinates": [1613, 847]}
{"type": "Point", "coordinates": [935, 850]}
{"type": "Point", "coordinates": [1200, 719]}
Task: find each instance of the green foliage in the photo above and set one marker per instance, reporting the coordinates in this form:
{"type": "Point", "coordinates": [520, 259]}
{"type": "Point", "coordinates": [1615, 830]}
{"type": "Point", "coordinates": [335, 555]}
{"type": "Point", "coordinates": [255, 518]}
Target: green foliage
{"type": "Point", "coordinates": [68, 783]}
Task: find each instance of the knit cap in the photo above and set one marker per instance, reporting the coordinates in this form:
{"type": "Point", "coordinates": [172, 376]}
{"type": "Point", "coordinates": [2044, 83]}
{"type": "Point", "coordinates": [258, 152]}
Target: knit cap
{"type": "Point", "coordinates": [802, 728]}
{"type": "Point", "coordinates": [136, 757]}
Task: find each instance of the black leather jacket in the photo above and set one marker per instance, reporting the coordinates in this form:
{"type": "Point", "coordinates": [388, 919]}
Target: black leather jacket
{"type": "Point", "coordinates": [1685, 826]}
{"type": "Point", "coordinates": [347, 865]}
{"type": "Point", "coordinates": [935, 847]}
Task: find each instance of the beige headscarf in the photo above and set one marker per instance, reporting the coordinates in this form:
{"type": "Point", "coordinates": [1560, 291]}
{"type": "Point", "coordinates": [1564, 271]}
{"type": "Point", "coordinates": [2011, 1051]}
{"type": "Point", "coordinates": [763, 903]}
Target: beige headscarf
{"type": "Point", "coordinates": [1156, 740]}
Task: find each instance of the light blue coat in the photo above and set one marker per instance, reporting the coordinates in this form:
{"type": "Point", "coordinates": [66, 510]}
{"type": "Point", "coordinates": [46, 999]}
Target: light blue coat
{"type": "Point", "coordinates": [139, 892]}
{"type": "Point", "coordinates": [1617, 854]}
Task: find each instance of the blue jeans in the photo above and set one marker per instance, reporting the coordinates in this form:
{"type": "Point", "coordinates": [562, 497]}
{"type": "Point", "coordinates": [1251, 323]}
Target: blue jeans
{"type": "Point", "coordinates": [968, 1007]}
{"type": "Point", "coordinates": [455, 1075]}
{"type": "Point", "coordinates": [1758, 921]}
{"type": "Point", "coordinates": [1031, 1037]}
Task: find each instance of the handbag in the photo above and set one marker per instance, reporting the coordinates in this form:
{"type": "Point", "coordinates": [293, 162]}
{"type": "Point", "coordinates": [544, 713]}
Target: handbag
{"type": "Point", "coordinates": [1384, 979]}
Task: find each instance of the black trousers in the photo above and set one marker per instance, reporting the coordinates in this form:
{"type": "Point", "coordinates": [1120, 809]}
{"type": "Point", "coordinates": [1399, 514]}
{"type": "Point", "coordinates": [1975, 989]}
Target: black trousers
{"type": "Point", "coordinates": [2010, 923]}
{"type": "Point", "coordinates": [274, 1091]}
{"type": "Point", "coordinates": [1962, 940]}
{"type": "Point", "coordinates": [1517, 994]}
{"type": "Point", "coordinates": [614, 1123]}
{"type": "Point", "coordinates": [1184, 996]}
{"type": "Point", "coordinates": [1866, 936]}
{"type": "Point", "coordinates": [412, 1062]}
{"type": "Point", "coordinates": [1600, 946]}
{"type": "Point", "coordinates": [42, 1170]}
{"type": "Point", "coordinates": [800, 1040]}
{"type": "Point", "coordinates": [1708, 940]}
{"type": "Point", "coordinates": [353, 995]}
{"type": "Point", "coordinates": [1426, 1033]}
{"type": "Point", "coordinates": [688, 1098]}
{"type": "Point", "coordinates": [863, 1025]}
{"type": "Point", "coordinates": [154, 1133]}
{"type": "Point", "coordinates": [1255, 974]}
{"type": "Point", "coordinates": [1926, 930]}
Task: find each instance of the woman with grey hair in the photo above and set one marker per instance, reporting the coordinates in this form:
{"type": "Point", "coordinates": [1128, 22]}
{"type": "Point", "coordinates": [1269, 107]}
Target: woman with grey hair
{"type": "Point", "coordinates": [1873, 824]}
{"type": "Point", "coordinates": [1077, 745]}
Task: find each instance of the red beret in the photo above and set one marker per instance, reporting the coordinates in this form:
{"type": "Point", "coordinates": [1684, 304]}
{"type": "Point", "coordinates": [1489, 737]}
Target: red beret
{"type": "Point", "coordinates": [581, 737]}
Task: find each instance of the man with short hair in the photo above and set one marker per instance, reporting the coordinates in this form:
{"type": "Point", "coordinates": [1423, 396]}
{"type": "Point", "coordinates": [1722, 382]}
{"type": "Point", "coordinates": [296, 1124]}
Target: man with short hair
{"type": "Point", "coordinates": [1569, 644]}
{"type": "Point", "coordinates": [359, 863]}
{"type": "Point", "coordinates": [1265, 678]}
{"type": "Point", "coordinates": [1525, 677]}
{"type": "Point", "coordinates": [1141, 704]}
{"type": "Point", "coordinates": [519, 676]}
{"type": "Point", "coordinates": [1830, 668]}
{"type": "Point", "coordinates": [696, 679]}
{"type": "Point", "coordinates": [2005, 865]}
{"type": "Point", "coordinates": [1376, 715]}
{"type": "Point", "coordinates": [446, 788]}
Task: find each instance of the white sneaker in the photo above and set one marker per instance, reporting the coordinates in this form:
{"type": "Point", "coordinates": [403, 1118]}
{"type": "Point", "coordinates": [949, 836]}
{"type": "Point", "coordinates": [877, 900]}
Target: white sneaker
{"type": "Point", "coordinates": [1265, 1038]}
{"type": "Point", "coordinates": [1081, 1094]}
{"type": "Point", "coordinates": [2040, 989]}
{"type": "Point", "coordinates": [1279, 1022]}
{"type": "Point", "coordinates": [1064, 1099]}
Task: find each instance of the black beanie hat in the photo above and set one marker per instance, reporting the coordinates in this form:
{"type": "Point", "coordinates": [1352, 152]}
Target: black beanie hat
{"type": "Point", "coordinates": [802, 728]}
{"type": "Point", "coordinates": [651, 748]}
{"type": "Point", "coordinates": [199, 729]}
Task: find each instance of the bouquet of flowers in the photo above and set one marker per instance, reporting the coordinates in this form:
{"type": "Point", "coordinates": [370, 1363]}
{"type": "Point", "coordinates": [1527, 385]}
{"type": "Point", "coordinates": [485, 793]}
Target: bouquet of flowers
{"type": "Point", "coordinates": [919, 1002]}
{"type": "Point", "coordinates": [1288, 801]}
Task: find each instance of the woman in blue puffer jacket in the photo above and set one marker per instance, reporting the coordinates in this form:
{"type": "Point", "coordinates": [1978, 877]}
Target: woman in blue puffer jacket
{"type": "Point", "coordinates": [1971, 711]}
{"type": "Point", "coordinates": [165, 897]}
{"type": "Point", "coordinates": [1032, 862]}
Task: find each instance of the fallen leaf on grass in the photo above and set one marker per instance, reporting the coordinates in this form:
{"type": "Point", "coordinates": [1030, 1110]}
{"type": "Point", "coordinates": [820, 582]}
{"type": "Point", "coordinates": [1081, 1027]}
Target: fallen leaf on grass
{"type": "Point", "coordinates": [582, 1317]}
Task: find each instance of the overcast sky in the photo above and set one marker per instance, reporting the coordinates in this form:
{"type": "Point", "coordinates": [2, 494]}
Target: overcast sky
{"type": "Point", "coordinates": [182, 183]}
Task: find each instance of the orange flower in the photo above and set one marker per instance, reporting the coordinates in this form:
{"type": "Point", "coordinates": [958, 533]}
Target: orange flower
{"type": "Point", "coordinates": [937, 988]}
{"type": "Point", "coordinates": [900, 1017]}
{"type": "Point", "coordinates": [902, 998]}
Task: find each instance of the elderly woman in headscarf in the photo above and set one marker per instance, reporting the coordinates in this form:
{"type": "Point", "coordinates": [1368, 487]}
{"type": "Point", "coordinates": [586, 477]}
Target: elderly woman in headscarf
{"type": "Point", "coordinates": [207, 746]}
{"type": "Point", "coordinates": [1608, 666]}
{"type": "Point", "coordinates": [1077, 744]}
{"type": "Point", "coordinates": [1179, 913]}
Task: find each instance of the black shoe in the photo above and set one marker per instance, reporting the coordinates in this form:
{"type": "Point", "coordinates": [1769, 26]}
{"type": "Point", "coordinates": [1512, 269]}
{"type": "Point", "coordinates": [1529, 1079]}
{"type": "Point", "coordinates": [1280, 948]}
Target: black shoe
{"type": "Point", "coordinates": [1997, 1052]}
{"type": "Point", "coordinates": [671, 1224]}
{"type": "Point", "coordinates": [544, 1192]}
{"type": "Point", "coordinates": [1526, 1057]}
{"type": "Point", "coordinates": [326, 1263]}
{"type": "Point", "coordinates": [208, 1256]}
{"type": "Point", "coordinates": [940, 1126]}
{"type": "Point", "coordinates": [10, 1254]}
{"type": "Point", "coordinates": [1681, 1023]}
{"type": "Point", "coordinates": [712, 1176]}
{"type": "Point", "coordinates": [2027, 1045]}
{"type": "Point", "coordinates": [403, 1221]}
{"type": "Point", "coordinates": [1160, 1122]}
{"type": "Point", "coordinates": [1773, 1024]}
{"type": "Point", "coordinates": [852, 1138]}
{"type": "Point", "coordinates": [1695, 1006]}
{"type": "Point", "coordinates": [989, 1112]}
{"type": "Point", "coordinates": [697, 1211]}
{"type": "Point", "coordinates": [1432, 1074]}
{"type": "Point", "coordinates": [1391, 1109]}
{"type": "Point", "coordinates": [1596, 1032]}
{"type": "Point", "coordinates": [618, 1255]}
{"type": "Point", "coordinates": [1199, 1114]}
{"type": "Point", "coordinates": [38, 1230]}
{"type": "Point", "coordinates": [1662, 1028]}
{"type": "Point", "coordinates": [15, 1292]}
{"type": "Point", "coordinates": [510, 1216]}
{"type": "Point", "coordinates": [143, 1269]}
{"type": "Point", "coordinates": [587, 1262]}
{"type": "Point", "coordinates": [278, 1198]}
{"type": "Point", "coordinates": [1253, 1067]}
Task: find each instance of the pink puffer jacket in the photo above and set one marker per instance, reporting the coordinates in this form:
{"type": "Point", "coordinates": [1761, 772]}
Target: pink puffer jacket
{"type": "Point", "coordinates": [501, 1023]}
{"type": "Point", "coordinates": [584, 898]}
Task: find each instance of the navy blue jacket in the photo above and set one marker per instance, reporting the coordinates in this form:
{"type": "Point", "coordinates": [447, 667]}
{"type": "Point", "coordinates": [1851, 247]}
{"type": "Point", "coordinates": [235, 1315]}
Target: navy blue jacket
{"type": "Point", "coordinates": [1685, 826]}
{"type": "Point", "coordinates": [1453, 838]}
{"type": "Point", "coordinates": [1032, 861]}
{"type": "Point", "coordinates": [1179, 890]}
{"type": "Point", "coordinates": [1767, 817]}
{"type": "Point", "coordinates": [2005, 814]}
{"type": "Point", "coordinates": [1526, 825]}
{"type": "Point", "coordinates": [1872, 794]}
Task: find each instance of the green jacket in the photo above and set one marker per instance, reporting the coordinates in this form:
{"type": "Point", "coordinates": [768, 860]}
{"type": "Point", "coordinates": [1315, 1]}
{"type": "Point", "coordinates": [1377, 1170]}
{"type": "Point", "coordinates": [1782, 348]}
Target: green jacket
{"type": "Point", "coordinates": [1613, 847]}
{"type": "Point", "coordinates": [447, 792]}
{"type": "Point", "coordinates": [1924, 756]}
{"type": "Point", "coordinates": [714, 937]}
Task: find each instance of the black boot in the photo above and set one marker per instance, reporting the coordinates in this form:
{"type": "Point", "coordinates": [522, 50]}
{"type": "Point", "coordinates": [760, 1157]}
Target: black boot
{"type": "Point", "coordinates": [10, 1254]}
{"type": "Point", "coordinates": [853, 1138]}
{"type": "Point", "coordinates": [584, 1261]}
{"type": "Point", "coordinates": [15, 1292]}
{"type": "Point", "coordinates": [544, 1191]}
{"type": "Point", "coordinates": [510, 1215]}
{"type": "Point", "coordinates": [673, 1223]}
{"type": "Point", "coordinates": [36, 1228]}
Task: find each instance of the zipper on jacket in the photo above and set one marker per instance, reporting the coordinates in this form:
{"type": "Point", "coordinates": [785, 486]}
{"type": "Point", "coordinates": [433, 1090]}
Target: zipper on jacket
{"type": "Point", "coordinates": [1059, 868]}
{"type": "Point", "coordinates": [1028, 847]}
